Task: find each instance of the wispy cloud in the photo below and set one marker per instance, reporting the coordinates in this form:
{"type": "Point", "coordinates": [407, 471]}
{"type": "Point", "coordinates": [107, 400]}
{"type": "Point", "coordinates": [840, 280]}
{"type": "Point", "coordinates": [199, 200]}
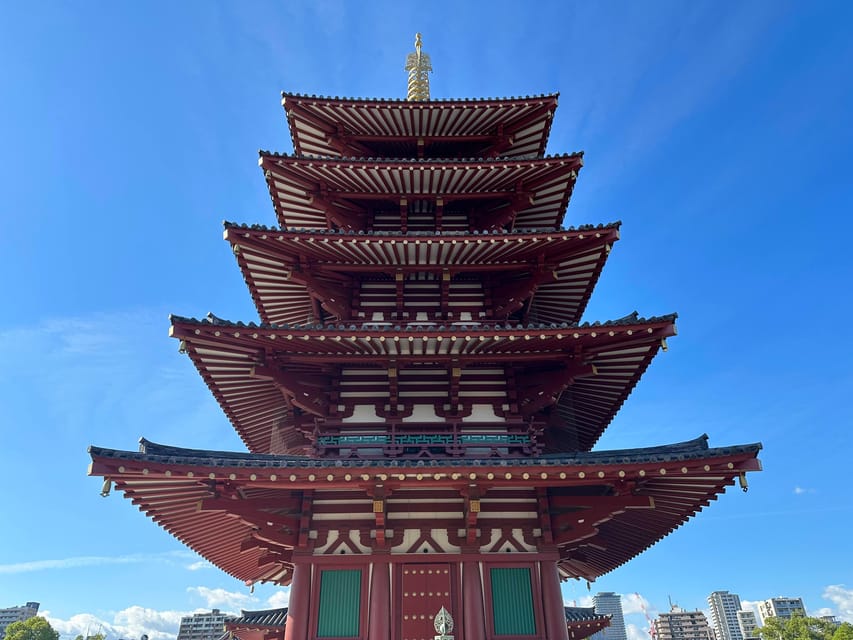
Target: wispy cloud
{"type": "Point", "coordinates": [132, 622]}
{"type": "Point", "coordinates": [279, 599]}
{"type": "Point", "coordinates": [136, 620]}
{"type": "Point", "coordinates": [635, 633]}
{"type": "Point", "coordinates": [96, 370]}
{"type": "Point", "coordinates": [799, 491]}
{"type": "Point", "coordinates": [750, 605]}
{"type": "Point", "coordinates": [635, 603]}
{"type": "Point", "coordinates": [89, 561]}
{"type": "Point", "coordinates": [842, 598]}
{"type": "Point", "coordinates": [200, 565]}
{"type": "Point", "coordinates": [583, 601]}
{"type": "Point", "coordinates": [223, 599]}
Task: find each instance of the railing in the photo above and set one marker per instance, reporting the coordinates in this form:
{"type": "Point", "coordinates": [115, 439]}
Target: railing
{"type": "Point", "coordinates": [456, 442]}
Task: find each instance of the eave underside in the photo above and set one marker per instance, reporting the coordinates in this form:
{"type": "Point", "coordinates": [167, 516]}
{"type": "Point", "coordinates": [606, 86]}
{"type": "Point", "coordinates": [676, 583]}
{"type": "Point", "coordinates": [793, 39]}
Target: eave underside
{"type": "Point", "coordinates": [321, 193]}
{"type": "Point", "coordinates": [269, 379]}
{"type": "Point", "coordinates": [516, 127]}
{"type": "Point", "coordinates": [548, 276]}
{"type": "Point", "coordinates": [246, 513]}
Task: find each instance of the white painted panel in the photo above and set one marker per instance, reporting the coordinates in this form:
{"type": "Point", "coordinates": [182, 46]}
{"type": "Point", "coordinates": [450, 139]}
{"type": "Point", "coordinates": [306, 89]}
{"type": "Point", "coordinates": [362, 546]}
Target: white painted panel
{"type": "Point", "coordinates": [364, 413]}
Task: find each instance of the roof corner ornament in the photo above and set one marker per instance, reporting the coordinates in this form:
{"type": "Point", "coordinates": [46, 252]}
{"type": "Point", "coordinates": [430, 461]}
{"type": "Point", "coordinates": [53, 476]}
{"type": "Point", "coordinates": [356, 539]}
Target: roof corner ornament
{"type": "Point", "coordinates": [418, 65]}
{"type": "Point", "coordinates": [443, 622]}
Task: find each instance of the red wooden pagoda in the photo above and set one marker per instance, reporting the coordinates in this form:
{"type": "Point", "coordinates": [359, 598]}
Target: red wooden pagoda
{"type": "Point", "coordinates": [420, 398]}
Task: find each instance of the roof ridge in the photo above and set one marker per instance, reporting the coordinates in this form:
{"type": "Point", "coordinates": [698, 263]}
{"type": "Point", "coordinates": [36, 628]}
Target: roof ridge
{"type": "Point", "coordinates": [695, 447]}
{"type": "Point", "coordinates": [418, 104]}
{"type": "Point", "coordinates": [418, 234]}
{"type": "Point", "coordinates": [631, 319]}
{"type": "Point", "coordinates": [497, 160]}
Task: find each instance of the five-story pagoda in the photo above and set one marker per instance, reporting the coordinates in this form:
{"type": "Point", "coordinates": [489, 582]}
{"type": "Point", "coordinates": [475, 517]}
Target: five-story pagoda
{"type": "Point", "coordinates": [420, 398]}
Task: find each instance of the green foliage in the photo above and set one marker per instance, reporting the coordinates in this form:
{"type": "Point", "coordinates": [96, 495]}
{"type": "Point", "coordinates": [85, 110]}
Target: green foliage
{"type": "Point", "coordinates": [97, 636]}
{"type": "Point", "coordinates": [844, 632]}
{"type": "Point", "coordinates": [802, 628]}
{"type": "Point", "coordinates": [36, 628]}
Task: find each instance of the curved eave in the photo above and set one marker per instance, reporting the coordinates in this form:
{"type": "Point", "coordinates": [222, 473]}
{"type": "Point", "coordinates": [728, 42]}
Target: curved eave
{"type": "Point", "coordinates": [518, 127]}
{"type": "Point", "coordinates": [258, 620]}
{"type": "Point", "coordinates": [583, 622]}
{"type": "Point", "coordinates": [228, 356]}
{"type": "Point", "coordinates": [317, 193]}
{"type": "Point", "coordinates": [268, 258]}
{"type": "Point", "coordinates": [671, 484]}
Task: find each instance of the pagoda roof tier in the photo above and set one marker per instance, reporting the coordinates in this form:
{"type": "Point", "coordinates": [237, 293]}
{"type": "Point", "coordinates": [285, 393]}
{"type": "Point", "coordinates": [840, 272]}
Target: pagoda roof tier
{"type": "Point", "coordinates": [322, 193]}
{"type": "Point", "coordinates": [267, 624]}
{"type": "Point", "coordinates": [259, 372]}
{"type": "Point", "coordinates": [286, 269]}
{"type": "Point", "coordinates": [245, 513]}
{"type": "Point", "coordinates": [584, 621]}
{"type": "Point", "coordinates": [511, 127]}
{"type": "Point", "coordinates": [258, 619]}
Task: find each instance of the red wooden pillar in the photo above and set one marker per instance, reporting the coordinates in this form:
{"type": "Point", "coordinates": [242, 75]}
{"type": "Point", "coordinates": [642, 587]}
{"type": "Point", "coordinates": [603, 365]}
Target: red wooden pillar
{"type": "Point", "coordinates": [556, 627]}
{"type": "Point", "coordinates": [473, 615]}
{"type": "Point", "coordinates": [298, 608]}
{"type": "Point", "coordinates": [380, 602]}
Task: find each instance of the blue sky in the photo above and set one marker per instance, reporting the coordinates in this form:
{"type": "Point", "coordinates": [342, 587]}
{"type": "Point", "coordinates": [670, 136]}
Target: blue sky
{"type": "Point", "coordinates": [718, 134]}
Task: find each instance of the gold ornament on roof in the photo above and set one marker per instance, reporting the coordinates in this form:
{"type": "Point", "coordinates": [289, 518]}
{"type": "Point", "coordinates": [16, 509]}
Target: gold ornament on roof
{"type": "Point", "coordinates": [419, 66]}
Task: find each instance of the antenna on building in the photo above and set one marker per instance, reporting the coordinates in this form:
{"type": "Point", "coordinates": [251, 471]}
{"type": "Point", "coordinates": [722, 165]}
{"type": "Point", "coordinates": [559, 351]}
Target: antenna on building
{"type": "Point", "coordinates": [419, 66]}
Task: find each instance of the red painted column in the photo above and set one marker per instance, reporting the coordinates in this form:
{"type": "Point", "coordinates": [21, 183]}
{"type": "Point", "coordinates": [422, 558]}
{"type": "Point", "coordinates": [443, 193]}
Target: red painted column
{"type": "Point", "coordinates": [298, 608]}
{"type": "Point", "coordinates": [473, 613]}
{"type": "Point", "coordinates": [555, 613]}
{"type": "Point", "coordinates": [380, 602]}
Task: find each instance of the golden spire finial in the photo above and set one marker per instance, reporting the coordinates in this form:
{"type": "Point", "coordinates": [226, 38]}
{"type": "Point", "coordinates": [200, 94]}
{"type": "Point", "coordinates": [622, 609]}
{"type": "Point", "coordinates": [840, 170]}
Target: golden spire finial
{"type": "Point", "coordinates": [418, 65]}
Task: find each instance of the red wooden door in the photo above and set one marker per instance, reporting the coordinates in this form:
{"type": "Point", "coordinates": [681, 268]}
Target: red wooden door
{"type": "Point", "coordinates": [426, 588]}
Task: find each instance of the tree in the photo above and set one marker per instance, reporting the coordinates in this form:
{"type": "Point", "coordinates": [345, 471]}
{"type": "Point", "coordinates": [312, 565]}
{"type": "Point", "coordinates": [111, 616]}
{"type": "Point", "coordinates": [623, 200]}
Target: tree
{"type": "Point", "coordinates": [36, 628]}
{"type": "Point", "coordinates": [843, 632]}
{"type": "Point", "coordinates": [798, 628]}
{"type": "Point", "coordinates": [100, 636]}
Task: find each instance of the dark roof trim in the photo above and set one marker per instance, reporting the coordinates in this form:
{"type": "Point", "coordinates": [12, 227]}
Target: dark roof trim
{"type": "Point", "coordinates": [431, 101]}
{"type": "Point", "coordinates": [691, 449]}
{"type": "Point", "coordinates": [631, 319]}
{"type": "Point", "coordinates": [443, 161]}
{"type": "Point", "coordinates": [421, 234]}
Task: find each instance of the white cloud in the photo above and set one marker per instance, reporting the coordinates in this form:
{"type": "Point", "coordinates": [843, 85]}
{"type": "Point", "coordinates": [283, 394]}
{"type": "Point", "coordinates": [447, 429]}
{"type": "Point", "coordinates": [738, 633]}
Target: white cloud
{"type": "Point", "coordinates": [279, 598]}
{"type": "Point", "coordinates": [87, 561]}
{"type": "Point", "coordinates": [798, 491]}
{"type": "Point", "coordinates": [222, 599]}
{"type": "Point", "coordinates": [635, 633]}
{"type": "Point", "coordinates": [750, 605]}
{"type": "Point", "coordinates": [199, 565]}
{"type": "Point", "coordinates": [158, 625]}
{"type": "Point", "coordinates": [132, 622]}
{"type": "Point", "coordinates": [634, 603]}
{"type": "Point", "coordinates": [842, 598]}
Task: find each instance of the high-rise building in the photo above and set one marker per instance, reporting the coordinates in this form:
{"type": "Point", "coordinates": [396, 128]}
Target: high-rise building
{"type": "Point", "coordinates": [607, 603]}
{"type": "Point", "coordinates": [724, 608]}
{"type": "Point", "coordinates": [780, 608]}
{"type": "Point", "coordinates": [679, 624]}
{"type": "Point", "coordinates": [17, 614]}
{"type": "Point", "coordinates": [202, 626]}
{"type": "Point", "coordinates": [421, 394]}
{"type": "Point", "coordinates": [747, 622]}
{"type": "Point", "coordinates": [835, 621]}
